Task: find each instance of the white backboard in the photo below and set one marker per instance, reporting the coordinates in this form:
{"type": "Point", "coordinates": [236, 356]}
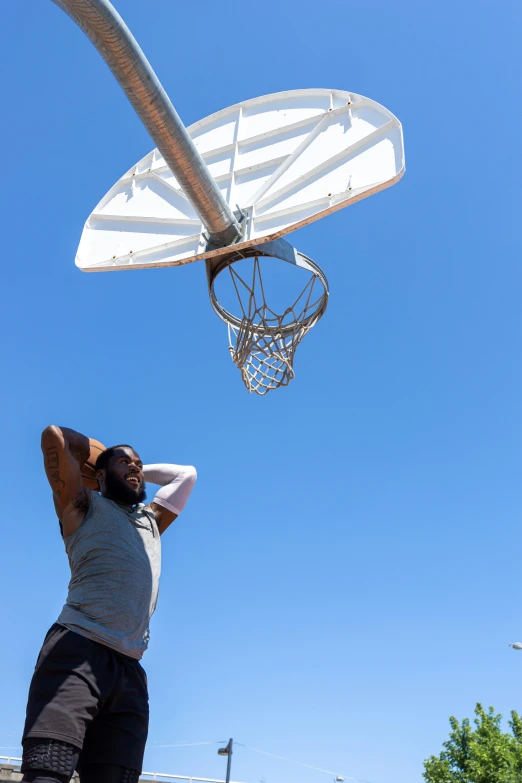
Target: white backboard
{"type": "Point", "coordinates": [285, 159]}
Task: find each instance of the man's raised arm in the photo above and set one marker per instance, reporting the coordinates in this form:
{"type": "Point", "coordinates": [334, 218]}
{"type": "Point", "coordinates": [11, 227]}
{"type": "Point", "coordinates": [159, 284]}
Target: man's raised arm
{"type": "Point", "coordinates": [176, 482]}
{"type": "Point", "coordinates": [65, 452]}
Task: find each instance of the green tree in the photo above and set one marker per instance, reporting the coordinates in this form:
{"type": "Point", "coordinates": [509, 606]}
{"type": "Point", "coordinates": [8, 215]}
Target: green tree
{"type": "Point", "coordinates": [484, 754]}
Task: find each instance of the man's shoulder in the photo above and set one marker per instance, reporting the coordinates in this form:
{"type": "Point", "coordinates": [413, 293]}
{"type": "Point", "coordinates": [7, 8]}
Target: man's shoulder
{"type": "Point", "coordinates": [98, 501]}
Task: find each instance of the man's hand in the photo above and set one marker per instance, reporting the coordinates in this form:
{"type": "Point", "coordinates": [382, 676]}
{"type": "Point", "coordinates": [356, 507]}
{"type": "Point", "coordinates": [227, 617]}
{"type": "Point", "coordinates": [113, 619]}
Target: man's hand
{"type": "Point", "coordinates": [65, 452]}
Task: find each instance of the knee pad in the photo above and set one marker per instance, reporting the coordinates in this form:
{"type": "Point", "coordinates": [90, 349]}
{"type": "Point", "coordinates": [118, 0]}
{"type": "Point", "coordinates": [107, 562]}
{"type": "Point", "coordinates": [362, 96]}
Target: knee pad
{"type": "Point", "coordinates": [48, 760]}
{"type": "Point", "coordinates": [107, 773]}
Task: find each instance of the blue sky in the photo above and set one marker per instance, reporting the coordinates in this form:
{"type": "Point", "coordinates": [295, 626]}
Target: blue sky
{"type": "Point", "coordinates": [347, 573]}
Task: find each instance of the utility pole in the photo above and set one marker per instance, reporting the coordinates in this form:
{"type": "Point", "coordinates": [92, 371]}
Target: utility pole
{"type": "Point", "coordinates": [227, 752]}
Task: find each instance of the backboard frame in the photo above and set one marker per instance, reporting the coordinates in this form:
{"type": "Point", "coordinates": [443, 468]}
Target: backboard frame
{"type": "Point", "coordinates": [321, 111]}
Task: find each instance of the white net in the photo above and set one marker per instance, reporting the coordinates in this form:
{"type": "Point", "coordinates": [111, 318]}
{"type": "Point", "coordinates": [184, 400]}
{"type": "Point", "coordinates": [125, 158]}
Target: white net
{"type": "Point", "coordinates": [261, 342]}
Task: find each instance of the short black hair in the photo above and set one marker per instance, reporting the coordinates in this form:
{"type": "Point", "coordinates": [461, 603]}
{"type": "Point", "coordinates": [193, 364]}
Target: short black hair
{"type": "Point", "coordinates": [104, 457]}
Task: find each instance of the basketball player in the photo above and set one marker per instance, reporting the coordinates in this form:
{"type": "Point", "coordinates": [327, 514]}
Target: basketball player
{"type": "Point", "coordinates": [88, 703]}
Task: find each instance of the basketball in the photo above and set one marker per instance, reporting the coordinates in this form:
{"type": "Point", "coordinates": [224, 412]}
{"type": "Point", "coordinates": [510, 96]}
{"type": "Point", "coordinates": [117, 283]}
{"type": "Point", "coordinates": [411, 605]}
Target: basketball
{"type": "Point", "coordinates": [88, 473]}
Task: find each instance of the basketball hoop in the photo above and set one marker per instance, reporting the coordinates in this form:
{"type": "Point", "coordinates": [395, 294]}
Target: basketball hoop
{"type": "Point", "coordinates": [229, 188]}
{"type": "Point", "coordinates": [263, 343]}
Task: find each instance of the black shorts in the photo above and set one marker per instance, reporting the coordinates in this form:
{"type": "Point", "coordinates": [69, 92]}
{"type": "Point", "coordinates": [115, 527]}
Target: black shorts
{"type": "Point", "coordinates": [90, 696]}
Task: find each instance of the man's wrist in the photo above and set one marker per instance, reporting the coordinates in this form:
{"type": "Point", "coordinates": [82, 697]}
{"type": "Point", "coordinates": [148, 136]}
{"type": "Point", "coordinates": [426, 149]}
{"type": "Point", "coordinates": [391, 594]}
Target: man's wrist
{"type": "Point", "coordinates": [78, 444]}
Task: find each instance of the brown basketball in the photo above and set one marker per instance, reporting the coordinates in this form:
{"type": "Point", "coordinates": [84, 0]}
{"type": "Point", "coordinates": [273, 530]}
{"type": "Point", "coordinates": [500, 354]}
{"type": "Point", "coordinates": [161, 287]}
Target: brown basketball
{"type": "Point", "coordinates": [88, 474]}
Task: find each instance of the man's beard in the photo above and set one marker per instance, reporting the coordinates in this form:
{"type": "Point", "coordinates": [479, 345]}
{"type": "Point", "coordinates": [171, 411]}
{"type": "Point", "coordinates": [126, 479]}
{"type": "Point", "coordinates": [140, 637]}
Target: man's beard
{"type": "Point", "coordinates": [122, 492]}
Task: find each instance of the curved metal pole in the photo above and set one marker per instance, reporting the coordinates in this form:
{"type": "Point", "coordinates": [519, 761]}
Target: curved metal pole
{"type": "Point", "coordinates": [108, 32]}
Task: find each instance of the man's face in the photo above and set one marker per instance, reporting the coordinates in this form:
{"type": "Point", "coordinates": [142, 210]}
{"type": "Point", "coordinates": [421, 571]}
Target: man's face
{"type": "Point", "coordinates": [124, 482]}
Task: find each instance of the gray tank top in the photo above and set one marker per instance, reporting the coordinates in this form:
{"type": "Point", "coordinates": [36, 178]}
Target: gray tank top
{"type": "Point", "coordinates": [115, 559]}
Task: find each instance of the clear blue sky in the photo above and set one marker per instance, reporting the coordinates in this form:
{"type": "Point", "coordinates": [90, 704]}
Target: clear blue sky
{"type": "Point", "coordinates": [347, 573]}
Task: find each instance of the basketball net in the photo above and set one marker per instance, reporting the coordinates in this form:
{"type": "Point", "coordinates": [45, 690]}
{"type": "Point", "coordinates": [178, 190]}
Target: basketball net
{"type": "Point", "coordinates": [262, 343]}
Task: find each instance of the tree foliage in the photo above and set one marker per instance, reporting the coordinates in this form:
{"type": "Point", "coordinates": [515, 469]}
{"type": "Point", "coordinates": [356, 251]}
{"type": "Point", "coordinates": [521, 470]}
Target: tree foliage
{"type": "Point", "coordinates": [484, 754]}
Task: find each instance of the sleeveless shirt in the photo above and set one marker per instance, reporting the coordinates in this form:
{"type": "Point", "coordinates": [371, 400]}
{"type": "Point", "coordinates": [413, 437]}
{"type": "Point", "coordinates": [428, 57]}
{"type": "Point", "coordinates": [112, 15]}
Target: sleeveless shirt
{"type": "Point", "coordinates": [115, 560]}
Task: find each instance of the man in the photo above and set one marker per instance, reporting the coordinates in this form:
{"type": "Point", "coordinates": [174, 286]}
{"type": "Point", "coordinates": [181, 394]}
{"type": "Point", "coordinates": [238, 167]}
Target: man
{"type": "Point", "coordinates": [88, 701]}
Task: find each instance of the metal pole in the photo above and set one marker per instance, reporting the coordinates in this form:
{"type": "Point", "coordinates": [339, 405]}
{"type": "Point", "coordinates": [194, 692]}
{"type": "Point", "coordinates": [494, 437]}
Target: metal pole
{"type": "Point", "coordinates": [229, 759]}
{"type": "Point", "coordinates": [108, 32]}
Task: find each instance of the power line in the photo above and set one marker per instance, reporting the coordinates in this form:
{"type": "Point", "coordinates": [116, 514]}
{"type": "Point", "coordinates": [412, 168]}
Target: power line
{"type": "Point", "coordinates": [188, 744]}
{"type": "Point", "coordinates": [301, 763]}
{"type": "Point", "coordinates": [264, 753]}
